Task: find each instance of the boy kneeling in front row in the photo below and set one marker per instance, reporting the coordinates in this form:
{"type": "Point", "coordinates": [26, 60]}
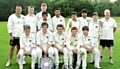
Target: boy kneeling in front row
{"type": "Point", "coordinates": [27, 47]}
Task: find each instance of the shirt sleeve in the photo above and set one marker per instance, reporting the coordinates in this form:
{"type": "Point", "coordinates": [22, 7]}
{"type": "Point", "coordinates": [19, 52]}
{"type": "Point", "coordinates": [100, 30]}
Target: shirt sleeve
{"type": "Point", "coordinates": [21, 41]}
{"type": "Point", "coordinates": [38, 38]}
{"type": "Point", "coordinates": [114, 23]}
{"type": "Point", "coordinates": [50, 39]}
{"type": "Point", "coordinates": [67, 27]}
{"type": "Point", "coordinates": [68, 43]}
{"type": "Point", "coordinates": [10, 24]}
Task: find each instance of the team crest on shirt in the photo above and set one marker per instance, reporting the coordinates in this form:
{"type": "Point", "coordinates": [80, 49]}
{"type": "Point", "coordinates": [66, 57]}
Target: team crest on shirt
{"type": "Point", "coordinates": [96, 26]}
{"type": "Point", "coordinates": [62, 38]}
{"type": "Point", "coordinates": [88, 39]}
{"type": "Point", "coordinates": [46, 36]}
{"type": "Point", "coordinates": [30, 40]}
{"type": "Point", "coordinates": [75, 39]}
{"type": "Point", "coordinates": [60, 20]}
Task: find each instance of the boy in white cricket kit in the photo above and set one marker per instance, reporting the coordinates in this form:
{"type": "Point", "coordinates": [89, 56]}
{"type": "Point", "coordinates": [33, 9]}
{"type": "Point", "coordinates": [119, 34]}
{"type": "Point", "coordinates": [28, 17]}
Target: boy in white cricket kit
{"type": "Point", "coordinates": [73, 22]}
{"type": "Point", "coordinates": [49, 22]}
{"type": "Point", "coordinates": [44, 42]}
{"type": "Point", "coordinates": [94, 27]}
{"type": "Point", "coordinates": [59, 44]}
{"type": "Point", "coordinates": [108, 28]}
{"type": "Point", "coordinates": [57, 19]}
{"type": "Point", "coordinates": [15, 29]}
{"type": "Point", "coordinates": [43, 9]}
{"type": "Point", "coordinates": [71, 44]}
{"type": "Point", "coordinates": [87, 42]}
{"type": "Point", "coordinates": [27, 47]}
{"type": "Point", "coordinates": [31, 19]}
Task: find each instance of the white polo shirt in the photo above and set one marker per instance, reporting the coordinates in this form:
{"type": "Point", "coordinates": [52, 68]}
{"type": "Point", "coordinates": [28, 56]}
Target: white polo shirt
{"type": "Point", "coordinates": [74, 24]}
{"type": "Point", "coordinates": [39, 16]}
{"type": "Point", "coordinates": [27, 42]}
{"type": "Point", "coordinates": [94, 28]}
{"type": "Point", "coordinates": [15, 25]}
{"type": "Point", "coordinates": [32, 21]}
{"type": "Point", "coordinates": [56, 21]}
{"type": "Point", "coordinates": [107, 29]}
{"type": "Point", "coordinates": [44, 39]}
{"type": "Point", "coordinates": [84, 22]}
{"type": "Point", "coordinates": [50, 27]}
{"type": "Point", "coordinates": [59, 39]}
{"type": "Point", "coordinates": [71, 42]}
{"type": "Point", "coordinates": [86, 40]}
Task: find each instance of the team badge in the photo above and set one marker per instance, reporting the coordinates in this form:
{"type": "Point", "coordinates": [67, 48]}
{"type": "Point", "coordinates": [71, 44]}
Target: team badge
{"type": "Point", "coordinates": [22, 17]}
{"type": "Point", "coordinates": [88, 39]}
{"type": "Point", "coordinates": [60, 20]}
{"type": "Point", "coordinates": [96, 26]}
{"type": "Point", "coordinates": [75, 39]}
{"type": "Point", "coordinates": [46, 36]}
{"type": "Point", "coordinates": [30, 40]}
{"type": "Point", "coordinates": [62, 38]}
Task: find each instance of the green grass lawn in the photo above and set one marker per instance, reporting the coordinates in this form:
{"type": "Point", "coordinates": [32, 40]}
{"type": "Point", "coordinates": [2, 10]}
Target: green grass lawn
{"type": "Point", "coordinates": [4, 48]}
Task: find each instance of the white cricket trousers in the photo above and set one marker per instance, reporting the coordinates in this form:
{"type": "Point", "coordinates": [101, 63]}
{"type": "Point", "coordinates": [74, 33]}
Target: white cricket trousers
{"type": "Point", "coordinates": [56, 56]}
{"type": "Point", "coordinates": [21, 53]}
{"type": "Point", "coordinates": [39, 53]}
{"type": "Point", "coordinates": [81, 55]}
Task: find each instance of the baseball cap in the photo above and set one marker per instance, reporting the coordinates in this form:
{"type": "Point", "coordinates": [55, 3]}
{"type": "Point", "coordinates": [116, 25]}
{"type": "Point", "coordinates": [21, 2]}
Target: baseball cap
{"type": "Point", "coordinates": [74, 13]}
{"type": "Point", "coordinates": [26, 26]}
{"type": "Point", "coordinates": [95, 13]}
{"type": "Point", "coordinates": [84, 11]}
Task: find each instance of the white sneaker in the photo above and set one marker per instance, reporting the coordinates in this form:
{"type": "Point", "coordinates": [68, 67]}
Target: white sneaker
{"type": "Point", "coordinates": [8, 63]}
{"type": "Point", "coordinates": [24, 62]}
{"type": "Point", "coordinates": [57, 67]}
{"type": "Point", "coordinates": [111, 62]}
{"type": "Point", "coordinates": [84, 68]}
{"type": "Point", "coordinates": [71, 67]}
{"type": "Point", "coordinates": [77, 67]}
{"type": "Point", "coordinates": [66, 67]}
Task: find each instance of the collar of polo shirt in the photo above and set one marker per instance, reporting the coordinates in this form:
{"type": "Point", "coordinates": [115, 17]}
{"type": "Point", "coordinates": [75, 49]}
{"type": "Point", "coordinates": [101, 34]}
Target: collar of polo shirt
{"type": "Point", "coordinates": [42, 32]}
{"type": "Point", "coordinates": [25, 35]}
{"type": "Point", "coordinates": [87, 35]}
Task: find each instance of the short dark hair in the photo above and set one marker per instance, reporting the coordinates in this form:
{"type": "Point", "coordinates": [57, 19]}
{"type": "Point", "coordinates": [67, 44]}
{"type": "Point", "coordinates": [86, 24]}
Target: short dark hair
{"type": "Point", "coordinates": [44, 13]}
{"type": "Point", "coordinates": [60, 25]}
{"type": "Point", "coordinates": [18, 6]}
{"type": "Point", "coordinates": [56, 9]}
{"type": "Point", "coordinates": [73, 28]}
{"type": "Point", "coordinates": [85, 28]}
{"type": "Point", "coordinates": [44, 23]}
{"type": "Point", "coordinates": [84, 11]}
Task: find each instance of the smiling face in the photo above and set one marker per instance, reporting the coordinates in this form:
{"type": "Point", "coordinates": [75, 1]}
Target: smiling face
{"type": "Point", "coordinates": [107, 14]}
{"type": "Point", "coordinates": [84, 14]}
{"type": "Point", "coordinates": [27, 30]}
{"type": "Point", "coordinates": [18, 10]}
{"type": "Point", "coordinates": [57, 13]}
{"type": "Point", "coordinates": [43, 8]}
{"type": "Point", "coordinates": [30, 10]}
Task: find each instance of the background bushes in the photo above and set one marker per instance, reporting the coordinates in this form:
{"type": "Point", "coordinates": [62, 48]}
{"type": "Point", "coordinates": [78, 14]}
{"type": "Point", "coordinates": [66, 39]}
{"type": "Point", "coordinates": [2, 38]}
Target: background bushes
{"type": "Point", "coordinates": [67, 6]}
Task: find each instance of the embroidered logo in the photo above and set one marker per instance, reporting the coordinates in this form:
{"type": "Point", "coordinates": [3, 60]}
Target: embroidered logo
{"type": "Point", "coordinates": [46, 36]}
{"type": "Point", "coordinates": [62, 38]}
{"type": "Point", "coordinates": [22, 17]}
{"type": "Point", "coordinates": [60, 20]}
{"type": "Point", "coordinates": [75, 39]}
{"type": "Point", "coordinates": [96, 26]}
{"type": "Point", "coordinates": [88, 39]}
{"type": "Point", "coordinates": [30, 40]}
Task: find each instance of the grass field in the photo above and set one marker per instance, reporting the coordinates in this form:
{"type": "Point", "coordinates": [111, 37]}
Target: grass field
{"type": "Point", "coordinates": [4, 48]}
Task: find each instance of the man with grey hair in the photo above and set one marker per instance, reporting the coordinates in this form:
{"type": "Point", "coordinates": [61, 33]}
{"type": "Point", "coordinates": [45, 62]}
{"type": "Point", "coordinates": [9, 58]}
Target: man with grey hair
{"type": "Point", "coordinates": [43, 9]}
{"type": "Point", "coordinates": [107, 37]}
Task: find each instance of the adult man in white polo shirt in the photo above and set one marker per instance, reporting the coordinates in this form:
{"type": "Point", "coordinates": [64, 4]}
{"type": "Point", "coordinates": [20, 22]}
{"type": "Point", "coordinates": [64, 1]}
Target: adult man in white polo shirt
{"type": "Point", "coordinates": [87, 42]}
{"type": "Point", "coordinates": [27, 47]}
{"type": "Point", "coordinates": [43, 9]}
{"type": "Point", "coordinates": [15, 29]}
{"type": "Point", "coordinates": [57, 19]}
{"type": "Point", "coordinates": [107, 34]}
{"type": "Point", "coordinates": [59, 44]}
{"type": "Point", "coordinates": [31, 20]}
{"type": "Point", "coordinates": [44, 42]}
{"type": "Point", "coordinates": [73, 22]}
{"type": "Point", "coordinates": [84, 20]}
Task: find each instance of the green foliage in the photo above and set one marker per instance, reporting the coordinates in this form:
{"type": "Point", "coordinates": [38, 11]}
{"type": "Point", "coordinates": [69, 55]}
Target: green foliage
{"type": "Point", "coordinates": [67, 6]}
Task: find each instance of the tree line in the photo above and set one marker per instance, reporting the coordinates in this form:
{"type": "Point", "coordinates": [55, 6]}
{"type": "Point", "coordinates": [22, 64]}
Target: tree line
{"type": "Point", "coordinates": [7, 7]}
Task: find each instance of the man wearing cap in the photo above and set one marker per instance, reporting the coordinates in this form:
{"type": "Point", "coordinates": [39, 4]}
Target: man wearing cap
{"type": "Point", "coordinates": [84, 20]}
{"type": "Point", "coordinates": [44, 42]}
{"type": "Point", "coordinates": [108, 29]}
{"type": "Point", "coordinates": [27, 47]}
{"type": "Point", "coordinates": [15, 29]}
{"type": "Point", "coordinates": [31, 20]}
{"type": "Point", "coordinates": [73, 22]}
{"type": "Point", "coordinates": [94, 27]}
{"type": "Point", "coordinates": [43, 9]}
{"type": "Point", "coordinates": [57, 19]}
